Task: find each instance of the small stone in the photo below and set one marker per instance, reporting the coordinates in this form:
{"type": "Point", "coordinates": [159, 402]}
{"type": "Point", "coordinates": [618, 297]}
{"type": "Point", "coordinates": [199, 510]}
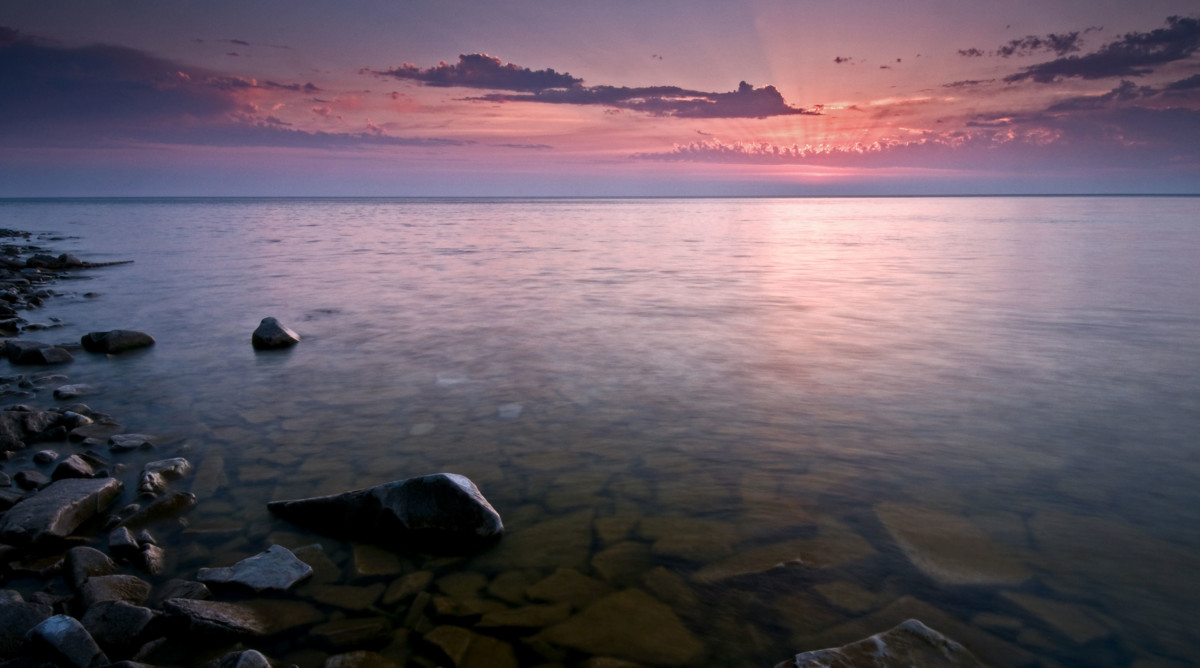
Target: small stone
{"type": "Point", "coordinates": [129, 442]}
{"type": "Point", "coordinates": [270, 334]}
{"type": "Point", "coordinates": [73, 391]}
{"type": "Point", "coordinates": [276, 569]}
{"type": "Point", "coordinates": [44, 457]}
{"type": "Point", "coordinates": [73, 467]}
{"type": "Point", "coordinates": [154, 476]}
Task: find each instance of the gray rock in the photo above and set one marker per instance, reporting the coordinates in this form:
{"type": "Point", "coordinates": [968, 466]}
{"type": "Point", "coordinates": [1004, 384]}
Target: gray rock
{"type": "Point", "coordinates": [128, 442]}
{"type": "Point", "coordinates": [182, 589]}
{"type": "Point", "coordinates": [30, 480]}
{"type": "Point", "coordinates": [115, 341]}
{"type": "Point", "coordinates": [909, 644]}
{"type": "Point", "coordinates": [64, 641]}
{"type": "Point", "coordinates": [277, 569]}
{"type": "Point", "coordinates": [164, 507]}
{"type": "Point", "coordinates": [122, 544]}
{"type": "Point", "coordinates": [43, 457]}
{"type": "Point", "coordinates": [72, 391]}
{"type": "Point", "coordinates": [438, 512]}
{"type": "Point", "coordinates": [117, 626]}
{"type": "Point", "coordinates": [57, 510]}
{"type": "Point", "coordinates": [248, 619]}
{"type": "Point", "coordinates": [72, 467]}
{"type": "Point", "coordinates": [270, 334]}
{"type": "Point", "coordinates": [151, 560]}
{"type": "Point", "coordinates": [16, 618]}
{"type": "Point", "coordinates": [247, 659]}
{"type": "Point", "coordinates": [85, 562]}
{"type": "Point", "coordinates": [154, 476]}
{"type": "Point", "coordinates": [128, 588]}
{"type": "Point", "coordinates": [36, 352]}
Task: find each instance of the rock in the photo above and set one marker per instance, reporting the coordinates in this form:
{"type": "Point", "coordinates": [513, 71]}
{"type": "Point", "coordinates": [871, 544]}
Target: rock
{"type": "Point", "coordinates": [115, 341]}
{"type": "Point", "coordinates": [117, 626]}
{"type": "Point", "coordinates": [270, 334]}
{"type": "Point", "coordinates": [245, 619]}
{"type": "Point", "coordinates": [128, 442]}
{"type": "Point", "coordinates": [277, 569]}
{"type": "Point", "coordinates": [154, 476]}
{"type": "Point", "coordinates": [72, 420]}
{"type": "Point", "coordinates": [72, 467]}
{"type": "Point", "coordinates": [909, 644]}
{"type": "Point", "coordinates": [344, 596]}
{"type": "Point", "coordinates": [122, 544]}
{"type": "Point", "coordinates": [128, 588]}
{"type": "Point", "coordinates": [246, 659]}
{"type": "Point", "coordinates": [529, 616]}
{"type": "Point", "coordinates": [43, 457]}
{"type": "Point", "coordinates": [85, 562]}
{"type": "Point", "coordinates": [406, 586]}
{"type": "Point", "coordinates": [16, 618]}
{"type": "Point", "coordinates": [30, 480]}
{"type": "Point", "coordinates": [162, 508]}
{"type": "Point", "coordinates": [1073, 621]}
{"type": "Point", "coordinates": [57, 510]}
{"type": "Point", "coordinates": [564, 541]}
{"type": "Point", "coordinates": [36, 352]}
{"type": "Point", "coordinates": [345, 633]}
{"type": "Point", "coordinates": [359, 659]}
{"type": "Point", "coordinates": [151, 559]}
{"type": "Point", "coordinates": [182, 589]}
{"type": "Point", "coordinates": [72, 391]}
{"type": "Point", "coordinates": [64, 641]}
{"type": "Point", "coordinates": [433, 513]}
{"type": "Point", "coordinates": [631, 625]}
{"type": "Point", "coordinates": [948, 548]}
{"type": "Point", "coordinates": [568, 586]}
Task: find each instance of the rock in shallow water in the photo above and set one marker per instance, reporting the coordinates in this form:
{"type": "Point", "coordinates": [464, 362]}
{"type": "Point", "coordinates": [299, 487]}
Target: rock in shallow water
{"type": "Point", "coordinates": [909, 644]}
{"type": "Point", "coordinates": [438, 512]}
{"type": "Point", "coordinates": [277, 569]}
{"type": "Point", "coordinates": [58, 509]}
{"type": "Point", "coordinates": [115, 341]}
{"type": "Point", "coordinates": [271, 335]}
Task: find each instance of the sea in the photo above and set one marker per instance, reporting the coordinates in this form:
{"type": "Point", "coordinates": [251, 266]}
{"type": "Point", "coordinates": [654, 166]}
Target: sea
{"type": "Point", "coordinates": [719, 431]}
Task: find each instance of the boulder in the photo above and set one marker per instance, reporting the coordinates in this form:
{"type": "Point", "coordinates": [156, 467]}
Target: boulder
{"type": "Point", "coordinates": [58, 510]}
{"type": "Point", "coordinates": [436, 513]}
{"type": "Point", "coordinates": [909, 644]}
{"type": "Point", "coordinates": [115, 341]}
{"type": "Point", "coordinates": [16, 618]}
{"type": "Point", "coordinates": [66, 642]}
{"type": "Point", "coordinates": [129, 442]}
{"type": "Point", "coordinates": [128, 588]}
{"type": "Point", "coordinates": [73, 391]}
{"type": "Point", "coordinates": [277, 569]}
{"type": "Point", "coordinates": [72, 467]}
{"type": "Point", "coordinates": [270, 334]}
{"type": "Point", "coordinates": [163, 508]}
{"type": "Point", "coordinates": [84, 562]}
{"type": "Point", "coordinates": [245, 659]}
{"type": "Point", "coordinates": [36, 352]}
{"type": "Point", "coordinates": [117, 625]}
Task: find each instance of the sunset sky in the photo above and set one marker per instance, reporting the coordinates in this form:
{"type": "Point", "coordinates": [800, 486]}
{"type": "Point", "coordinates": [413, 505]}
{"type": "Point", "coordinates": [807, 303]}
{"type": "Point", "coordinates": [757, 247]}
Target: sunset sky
{"type": "Point", "coordinates": [647, 97]}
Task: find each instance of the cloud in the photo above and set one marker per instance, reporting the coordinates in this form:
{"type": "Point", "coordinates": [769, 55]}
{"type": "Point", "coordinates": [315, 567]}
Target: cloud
{"type": "Point", "coordinates": [1060, 45]}
{"type": "Point", "coordinates": [972, 53]}
{"type": "Point", "coordinates": [549, 87]}
{"type": "Point", "coordinates": [1125, 92]}
{"type": "Point", "coordinates": [479, 70]}
{"type": "Point", "coordinates": [967, 83]}
{"type": "Point", "coordinates": [1133, 54]}
{"type": "Point", "coordinates": [745, 102]}
{"type": "Point", "coordinates": [1189, 83]}
{"type": "Point", "coordinates": [842, 59]}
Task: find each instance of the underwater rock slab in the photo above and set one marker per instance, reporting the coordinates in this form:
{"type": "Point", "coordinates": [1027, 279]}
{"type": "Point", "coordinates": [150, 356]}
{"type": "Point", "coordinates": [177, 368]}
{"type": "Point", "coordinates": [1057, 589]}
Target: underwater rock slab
{"type": "Point", "coordinates": [439, 512]}
{"type": "Point", "coordinates": [629, 624]}
{"type": "Point", "coordinates": [909, 644]}
{"type": "Point", "coordinates": [948, 547]}
{"type": "Point", "coordinates": [277, 569]}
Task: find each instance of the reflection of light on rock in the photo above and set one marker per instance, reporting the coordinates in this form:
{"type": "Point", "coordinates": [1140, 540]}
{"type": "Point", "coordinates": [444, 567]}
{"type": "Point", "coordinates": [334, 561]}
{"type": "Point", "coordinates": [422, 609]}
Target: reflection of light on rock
{"type": "Point", "coordinates": [509, 411]}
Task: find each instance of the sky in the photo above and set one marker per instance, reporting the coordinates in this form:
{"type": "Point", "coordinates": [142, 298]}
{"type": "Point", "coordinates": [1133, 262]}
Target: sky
{"type": "Point", "coordinates": [614, 98]}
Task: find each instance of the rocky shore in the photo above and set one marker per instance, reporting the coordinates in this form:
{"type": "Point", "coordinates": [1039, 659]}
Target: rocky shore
{"type": "Point", "coordinates": [92, 514]}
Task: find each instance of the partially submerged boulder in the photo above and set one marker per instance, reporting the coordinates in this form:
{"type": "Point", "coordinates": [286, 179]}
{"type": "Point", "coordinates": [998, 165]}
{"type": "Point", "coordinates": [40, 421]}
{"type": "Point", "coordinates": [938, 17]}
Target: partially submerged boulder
{"type": "Point", "coordinates": [271, 334]}
{"type": "Point", "coordinates": [115, 341]}
{"type": "Point", "coordinates": [57, 510]}
{"type": "Point", "coordinates": [36, 352]}
{"type": "Point", "coordinates": [277, 569]}
{"type": "Point", "coordinates": [910, 643]}
{"type": "Point", "coordinates": [435, 513]}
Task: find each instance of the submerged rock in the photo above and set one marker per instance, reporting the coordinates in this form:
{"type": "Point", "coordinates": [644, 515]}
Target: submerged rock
{"type": "Point", "coordinates": [438, 512]}
{"type": "Point", "coordinates": [277, 569]}
{"type": "Point", "coordinates": [909, 644]}
{"type": "Point", "coordinates": [949, 548]}
{"type": "Point", "coordinates": [115, 341]}
{"type": "Point", "coordinates": [270, 334]}
{"type": "Point", "coordinates": [58, 510]}
{"type": "Point", "coordinates": [36, 352]}
{"type": "Point", "coordinates": [631, 625]}
{"type": "Point", "coordinates": [154, 476]}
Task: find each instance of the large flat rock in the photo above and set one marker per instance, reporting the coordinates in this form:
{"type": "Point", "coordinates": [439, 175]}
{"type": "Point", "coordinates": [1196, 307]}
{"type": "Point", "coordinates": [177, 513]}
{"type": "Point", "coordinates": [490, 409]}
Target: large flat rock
{"type": "Point", "coordinates": [277, 569]}
{"type": "Point", "coordinates": [57, 510]}
{"type": "Point", "coordinates": [909, 644]}
{"type": "Point", "coordinates": [629, 624]}
{"type": "Point", "coordinates": [949, 548]}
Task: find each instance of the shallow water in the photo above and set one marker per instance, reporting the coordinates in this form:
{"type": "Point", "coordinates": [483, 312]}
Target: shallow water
{"type": "Point", "coordinates": [978, 411]}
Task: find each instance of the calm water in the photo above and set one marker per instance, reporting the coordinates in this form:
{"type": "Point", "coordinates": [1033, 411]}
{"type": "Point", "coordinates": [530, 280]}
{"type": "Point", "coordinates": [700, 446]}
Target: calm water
{"type": "Point", "coordinates": [981, 412]}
